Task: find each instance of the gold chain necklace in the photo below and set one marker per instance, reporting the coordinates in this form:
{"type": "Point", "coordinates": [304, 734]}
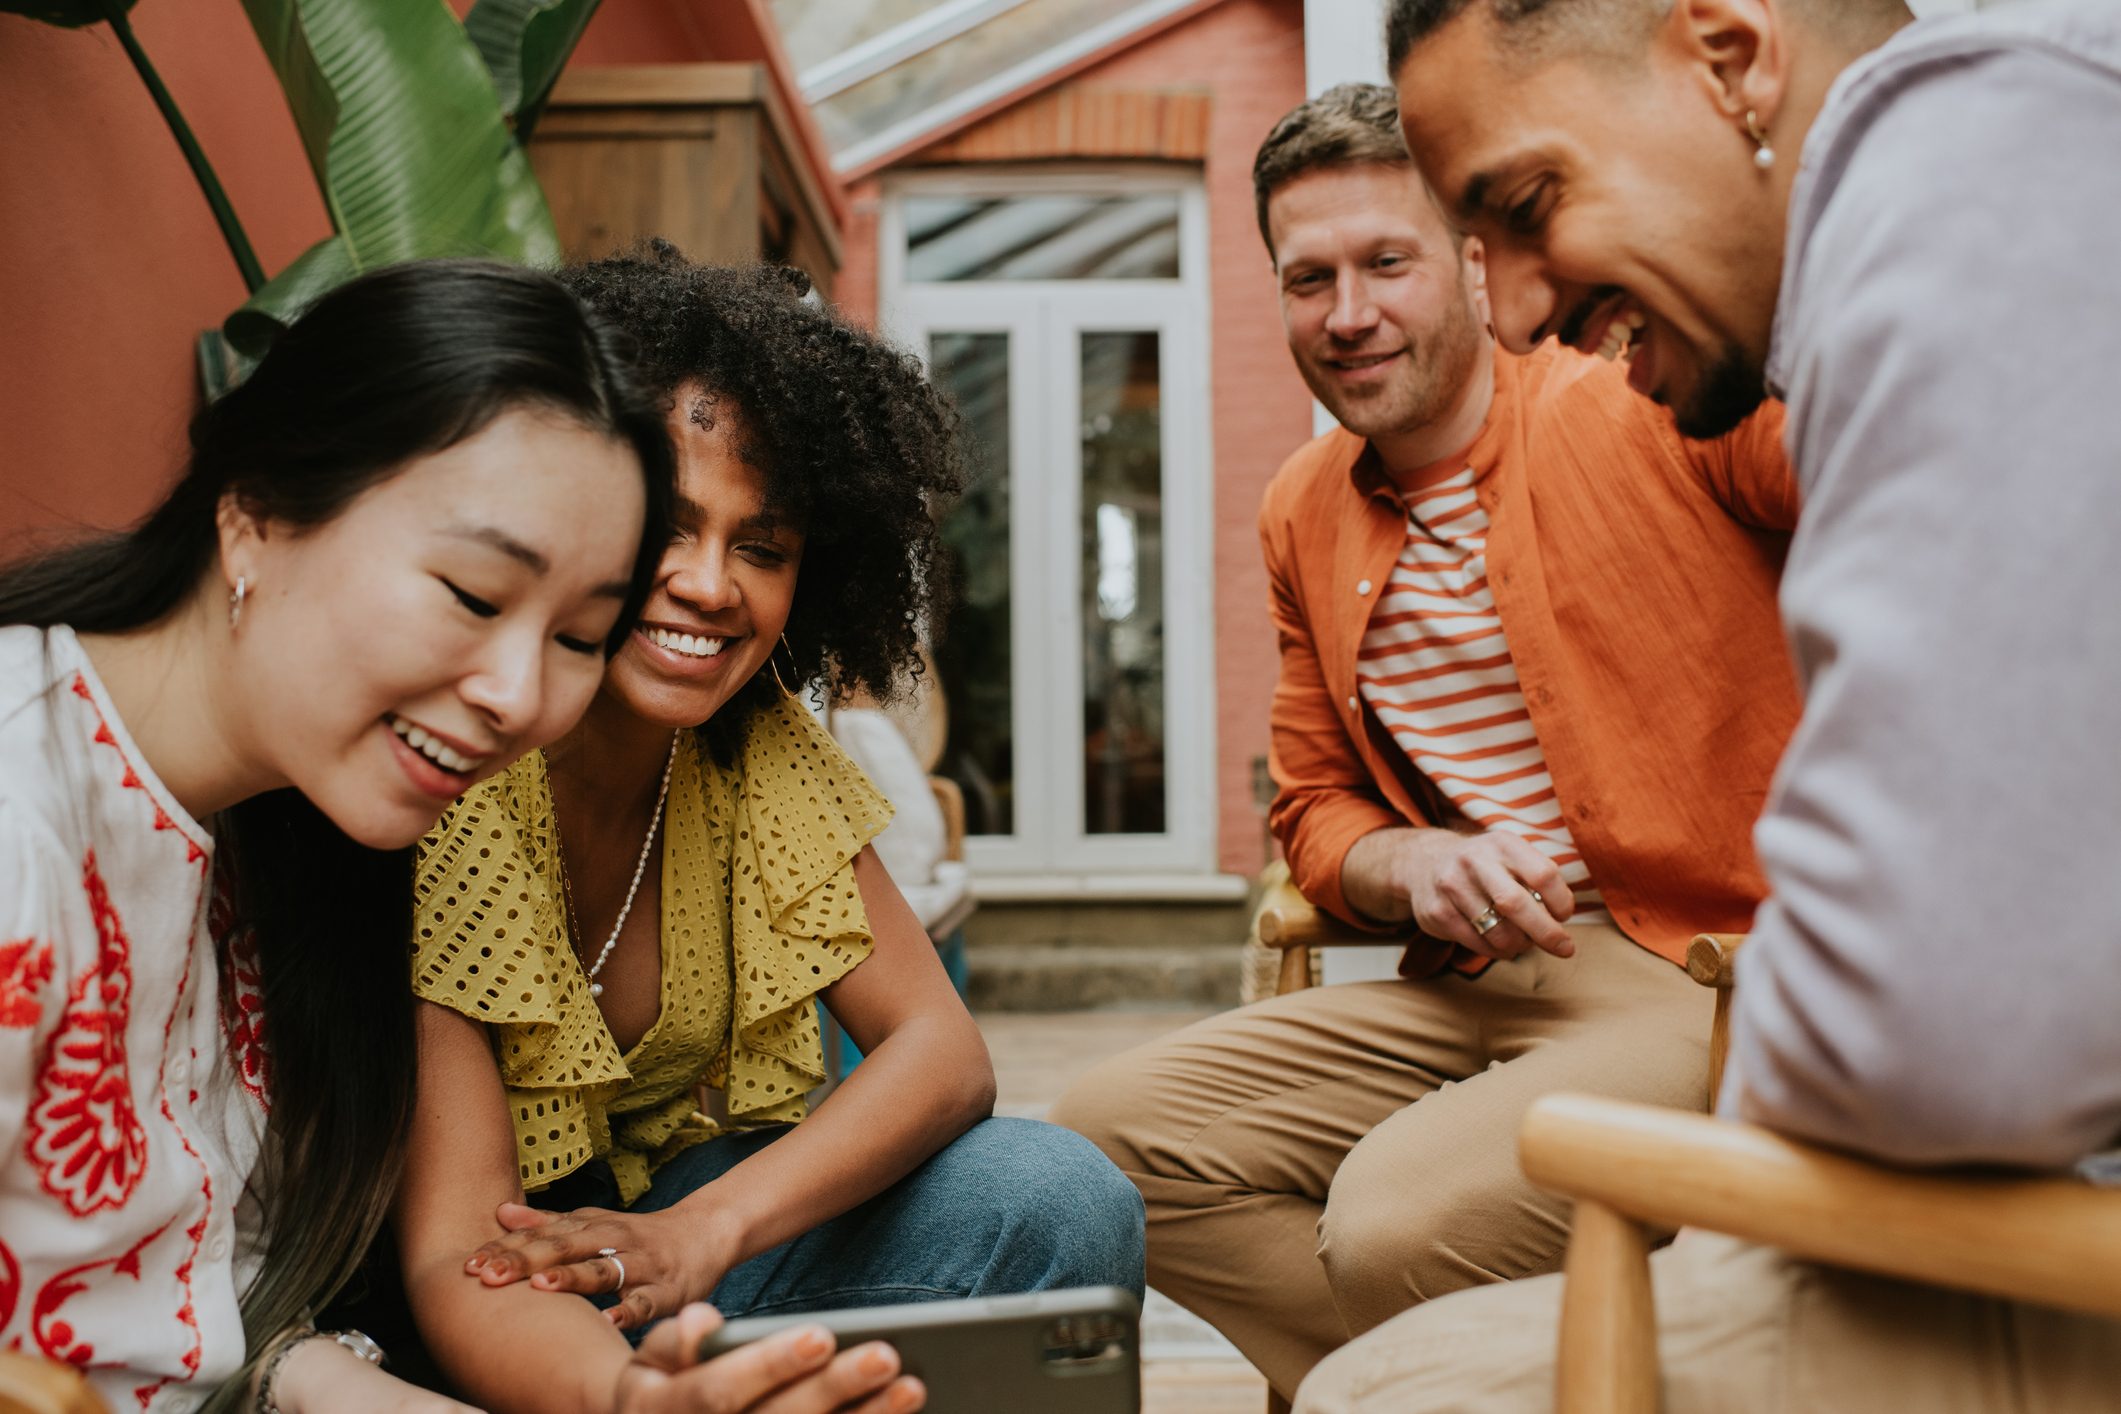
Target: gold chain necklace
{"type": "Point", "coordinates": [574, 922]}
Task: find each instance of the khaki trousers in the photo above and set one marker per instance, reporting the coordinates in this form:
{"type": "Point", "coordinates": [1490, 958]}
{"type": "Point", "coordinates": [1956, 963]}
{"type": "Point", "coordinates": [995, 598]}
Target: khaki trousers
{"type": "Point", "coordinates": [1315, 1164]}
{"type": "Point", "coordinates": [1742, 1330]}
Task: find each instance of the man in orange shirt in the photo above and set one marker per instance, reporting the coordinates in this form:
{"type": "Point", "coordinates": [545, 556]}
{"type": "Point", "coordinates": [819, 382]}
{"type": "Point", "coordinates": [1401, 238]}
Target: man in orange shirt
{"type": "Point", "coordinates": [1532, 690]}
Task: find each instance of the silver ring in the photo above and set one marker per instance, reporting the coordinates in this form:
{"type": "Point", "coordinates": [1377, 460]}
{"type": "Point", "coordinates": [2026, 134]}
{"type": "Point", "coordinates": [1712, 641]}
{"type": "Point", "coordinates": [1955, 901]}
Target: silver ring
{"type": "Point", "coordinates": [1485, 923]}
{"type": "Point", "coordinates": [611, 1255]}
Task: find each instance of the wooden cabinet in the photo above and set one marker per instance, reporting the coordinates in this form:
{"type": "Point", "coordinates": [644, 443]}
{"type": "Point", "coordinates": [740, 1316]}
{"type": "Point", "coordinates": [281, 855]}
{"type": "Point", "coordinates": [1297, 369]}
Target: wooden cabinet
{"type": "Point", "coordinates": [704, 155]}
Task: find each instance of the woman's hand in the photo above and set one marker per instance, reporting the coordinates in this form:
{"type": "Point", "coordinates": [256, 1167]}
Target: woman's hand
{"type": "Point", "coordinates": [668, 1258]}
{"type": "Point", "coordinates": [321, 1376]}
{"type": "Point", "coordinates": [793, 1372]}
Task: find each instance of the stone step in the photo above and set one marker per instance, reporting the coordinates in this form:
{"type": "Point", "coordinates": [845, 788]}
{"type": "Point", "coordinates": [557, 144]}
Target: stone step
{"type": "Point", "coordinates": [1064, 977]}
{"type": "Point", "coordinates": [1107, 925]}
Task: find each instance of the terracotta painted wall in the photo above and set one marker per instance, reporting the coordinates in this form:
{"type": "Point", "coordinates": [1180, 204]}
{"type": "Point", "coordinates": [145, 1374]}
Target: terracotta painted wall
{"type": "Point", "coordinates": [110, 262]}
{"type": "Point", "coordinates": [1249, 55]}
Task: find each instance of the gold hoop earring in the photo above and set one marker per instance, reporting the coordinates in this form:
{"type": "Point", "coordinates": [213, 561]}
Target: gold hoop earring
{"type": "Point", "coordinates": [776, 667]}
{"type": "Point", "coordinates": [1763, 154]}
{"type": "Point", "coordinates": [236, 597]}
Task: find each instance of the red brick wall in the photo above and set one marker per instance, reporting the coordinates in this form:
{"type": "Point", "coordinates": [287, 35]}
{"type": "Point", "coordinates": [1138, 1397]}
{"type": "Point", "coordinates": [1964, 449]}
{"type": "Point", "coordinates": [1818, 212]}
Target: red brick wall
{"type": "Point", "coordinates": [1248, 56]}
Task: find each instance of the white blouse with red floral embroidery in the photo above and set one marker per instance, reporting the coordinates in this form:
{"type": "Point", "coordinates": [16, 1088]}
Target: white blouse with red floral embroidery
{"type": "Point", "coordinates": [132, 1102]}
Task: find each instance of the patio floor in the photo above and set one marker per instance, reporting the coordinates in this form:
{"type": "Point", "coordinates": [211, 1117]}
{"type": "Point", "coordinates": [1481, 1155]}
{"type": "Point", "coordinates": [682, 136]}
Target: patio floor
{"type": "Point", "coordinates": [1187, 1367]}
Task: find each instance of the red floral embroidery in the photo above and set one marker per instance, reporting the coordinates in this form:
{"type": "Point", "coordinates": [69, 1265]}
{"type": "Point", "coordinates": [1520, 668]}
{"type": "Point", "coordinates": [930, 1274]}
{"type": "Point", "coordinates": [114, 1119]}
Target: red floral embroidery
{"type": "Point", "coordinates": [242, 991]}
{"type": "Point", "coordinates": [25, 966]}
{"type": "Point", "coordinates": [194, 852]}
{"type": "Point", "coordinates": [185, 1313]}
{"type": "Point", "coordinates": [56, 1338]}
{"type": "Point", "coordinates": [10, 1286]}
{"type": "Point", "coordinates": [85, 1137]}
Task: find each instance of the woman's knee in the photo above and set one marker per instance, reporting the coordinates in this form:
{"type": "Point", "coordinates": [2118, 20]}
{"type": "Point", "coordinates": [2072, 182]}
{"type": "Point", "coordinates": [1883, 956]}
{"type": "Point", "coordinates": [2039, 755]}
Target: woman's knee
{"type": "Point", "coordinates": [1061, 1215]}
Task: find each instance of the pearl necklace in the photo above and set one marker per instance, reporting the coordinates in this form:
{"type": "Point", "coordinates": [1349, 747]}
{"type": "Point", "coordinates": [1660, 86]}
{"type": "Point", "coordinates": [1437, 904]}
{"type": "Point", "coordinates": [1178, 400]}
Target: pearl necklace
{"type": "Point", "coordinates": [655, 822]}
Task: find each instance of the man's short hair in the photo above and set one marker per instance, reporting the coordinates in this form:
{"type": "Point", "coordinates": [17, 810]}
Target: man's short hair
{"type": "Point", "coordinates": [1526, 22]}
{"type": "Point", "coordinates": [1349, 125]}
{"type": "Point", "coordinates": [1610, 27]}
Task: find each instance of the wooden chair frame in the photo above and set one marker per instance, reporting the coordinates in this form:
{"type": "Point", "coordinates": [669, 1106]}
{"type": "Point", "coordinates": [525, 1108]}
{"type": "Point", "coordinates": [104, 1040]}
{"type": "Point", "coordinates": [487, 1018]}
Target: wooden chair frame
{"type": "Point", "coordinates": [1635, 1168]}
{"type": "Point", "coordinates": [1292, 925]}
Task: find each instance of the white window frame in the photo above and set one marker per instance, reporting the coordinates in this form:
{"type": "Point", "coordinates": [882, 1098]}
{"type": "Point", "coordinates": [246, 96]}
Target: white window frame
{"type": "Point", "coordinates": [1049, 853]}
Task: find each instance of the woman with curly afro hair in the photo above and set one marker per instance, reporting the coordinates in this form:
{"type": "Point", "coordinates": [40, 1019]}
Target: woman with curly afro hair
{"type": "Point", "coordinates": [579, 999]}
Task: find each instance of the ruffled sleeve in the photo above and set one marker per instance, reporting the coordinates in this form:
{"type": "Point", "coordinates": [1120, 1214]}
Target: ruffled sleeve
{"type": "Point", "coordinates": [797, 924]}
{"type": "Point", "coordinates": [490, 942]}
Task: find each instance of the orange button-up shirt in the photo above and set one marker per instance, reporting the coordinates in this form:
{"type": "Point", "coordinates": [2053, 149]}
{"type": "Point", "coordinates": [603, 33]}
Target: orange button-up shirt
{"type": "Point", "coordinates": [1635, 575]}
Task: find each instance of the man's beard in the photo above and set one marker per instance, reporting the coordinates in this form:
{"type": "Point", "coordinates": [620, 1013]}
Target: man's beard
{"type": "Point", "coordinates": [1436, 373]}
{"type": "Point", "coordinates": [1731, 388]}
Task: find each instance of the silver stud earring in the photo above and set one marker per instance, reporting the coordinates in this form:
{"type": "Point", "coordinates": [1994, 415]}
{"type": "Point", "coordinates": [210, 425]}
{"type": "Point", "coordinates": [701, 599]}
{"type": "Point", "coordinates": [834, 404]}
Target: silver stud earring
{"type": "Point", "coordinates": [236, 597]}
{"type": "Point", "coordinates": [1763, 155]}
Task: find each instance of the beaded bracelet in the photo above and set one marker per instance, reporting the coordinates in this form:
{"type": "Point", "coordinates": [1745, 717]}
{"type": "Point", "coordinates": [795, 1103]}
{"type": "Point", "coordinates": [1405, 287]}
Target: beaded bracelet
{"type": "Point", "coordinates": [359, 1344]}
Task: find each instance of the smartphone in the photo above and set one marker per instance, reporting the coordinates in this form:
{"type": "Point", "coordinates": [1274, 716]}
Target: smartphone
{"type": "Point", "coordinates": [1047, 1352]}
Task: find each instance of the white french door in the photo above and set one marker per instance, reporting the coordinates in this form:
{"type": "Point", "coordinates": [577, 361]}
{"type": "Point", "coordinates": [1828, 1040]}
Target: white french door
{"type": "Point", "coordinates": [1066, 316]}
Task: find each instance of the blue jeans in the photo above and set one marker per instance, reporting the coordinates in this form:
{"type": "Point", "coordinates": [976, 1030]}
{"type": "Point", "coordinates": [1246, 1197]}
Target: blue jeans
{"type": "Point", "coordinates": [1012, 1206]}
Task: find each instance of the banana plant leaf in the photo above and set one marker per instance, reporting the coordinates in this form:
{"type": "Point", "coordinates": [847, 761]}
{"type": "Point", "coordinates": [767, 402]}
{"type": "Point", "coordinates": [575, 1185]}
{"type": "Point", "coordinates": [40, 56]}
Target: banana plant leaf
{"type": "Point", "coordinates": [525, 44]}
{"type": "Point", "coordinates": [403, 126]}
{"type": "Point", "coordinates": [67, 14]}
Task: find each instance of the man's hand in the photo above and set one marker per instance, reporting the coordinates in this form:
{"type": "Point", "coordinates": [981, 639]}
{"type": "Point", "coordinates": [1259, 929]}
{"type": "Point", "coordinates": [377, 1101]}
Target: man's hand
{"type": "Point", "coordinates": [668, 1258]}
{"type": "Point", "coordinates": [793, 1372]}
{"type": "Point", "coordinates": [1445, 881]}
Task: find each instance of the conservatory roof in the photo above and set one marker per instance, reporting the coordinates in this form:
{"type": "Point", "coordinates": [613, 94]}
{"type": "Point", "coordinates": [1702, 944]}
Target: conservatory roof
{"type": "Point", "coordinates": [886, 76]}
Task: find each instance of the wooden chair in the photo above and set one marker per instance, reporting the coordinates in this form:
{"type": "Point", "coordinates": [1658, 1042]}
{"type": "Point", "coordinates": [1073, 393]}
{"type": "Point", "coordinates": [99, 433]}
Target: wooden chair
{"type": "Point", "coordinates": [950, 798]}
{"type": "Point", "coordinates": [29, 1385]}
{"type": "Point", "coordinates": [1632, 1168]}
{"type": "Point", "coordinates": [1293, 926]}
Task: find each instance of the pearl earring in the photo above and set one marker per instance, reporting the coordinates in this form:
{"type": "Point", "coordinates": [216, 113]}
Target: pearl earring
{"type": "Point", "coordinates": [236, 597]}
{"type": "Point", "coordinates": [1763, 155]}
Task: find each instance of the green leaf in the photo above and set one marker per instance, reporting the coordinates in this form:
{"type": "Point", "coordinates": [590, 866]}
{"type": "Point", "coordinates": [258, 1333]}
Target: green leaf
{"type": "Point", "coordinates": [414, 157]}
{"type": "Point", "coordinates": [68, 14]}
{"type": "Point", "coordinates": [315, 273]}
{"type": "Point", "coordinates": [221, 367]}
{"type": "Point", "coordinates": [525, 44]}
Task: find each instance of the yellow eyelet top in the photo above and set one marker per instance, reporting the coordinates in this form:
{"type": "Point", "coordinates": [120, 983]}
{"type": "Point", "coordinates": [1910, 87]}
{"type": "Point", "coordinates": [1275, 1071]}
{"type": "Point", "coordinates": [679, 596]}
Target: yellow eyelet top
{"type": "Point", "coordinates": [760, 912]}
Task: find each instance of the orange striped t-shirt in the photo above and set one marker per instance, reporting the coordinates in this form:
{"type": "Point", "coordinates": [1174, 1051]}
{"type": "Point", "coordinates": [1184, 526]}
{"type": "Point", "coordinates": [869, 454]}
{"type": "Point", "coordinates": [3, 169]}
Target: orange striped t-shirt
{"type": "Point", "coordinates": [1436, 672]}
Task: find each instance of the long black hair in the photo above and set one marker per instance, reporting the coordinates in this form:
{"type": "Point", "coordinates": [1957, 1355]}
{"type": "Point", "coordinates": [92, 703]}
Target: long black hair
{"type": "Point", "coordinates": [395, 365]}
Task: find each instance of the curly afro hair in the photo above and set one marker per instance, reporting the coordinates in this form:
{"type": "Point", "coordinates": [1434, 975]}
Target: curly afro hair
{"type": "Point", "coordinates": [850, 437]}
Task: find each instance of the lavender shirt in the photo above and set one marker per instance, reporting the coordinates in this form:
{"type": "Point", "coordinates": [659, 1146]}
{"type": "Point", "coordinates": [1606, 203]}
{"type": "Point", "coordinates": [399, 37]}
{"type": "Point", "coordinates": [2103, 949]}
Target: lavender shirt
{"type": "Point", "coordinates": [1937, 977]}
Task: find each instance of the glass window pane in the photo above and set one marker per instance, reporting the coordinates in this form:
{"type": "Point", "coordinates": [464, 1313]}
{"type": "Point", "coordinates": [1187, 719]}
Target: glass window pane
{"type": "Point", "coordinates": [813, 31]}
{"type": "Point", "coordinates": [974, 654]}
{"type": "Point", "coordinates": [1024, 33]}
{"type": "Point", "coordinates": [1043, 238]}
{"type": "Point", "coordinates": [1123, 585]}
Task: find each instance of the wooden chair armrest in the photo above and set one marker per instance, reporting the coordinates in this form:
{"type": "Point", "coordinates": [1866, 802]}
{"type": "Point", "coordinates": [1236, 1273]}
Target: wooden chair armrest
{"type": "Point", "coordinates": [950, 799]}
{"type": "Point", "coordinates": [1287, 919]}
{"type": "Point", "coordinates": [1712, 959]}
{"type": "Point", "coordinates": [31, 1385]}
{"type": "Point", "coordinates": [2051, 1241]}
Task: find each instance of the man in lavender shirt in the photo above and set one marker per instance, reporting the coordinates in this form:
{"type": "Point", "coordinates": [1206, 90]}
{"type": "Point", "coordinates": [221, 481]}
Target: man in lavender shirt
{"type": "Point", "coordinates": [1910, 232]}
